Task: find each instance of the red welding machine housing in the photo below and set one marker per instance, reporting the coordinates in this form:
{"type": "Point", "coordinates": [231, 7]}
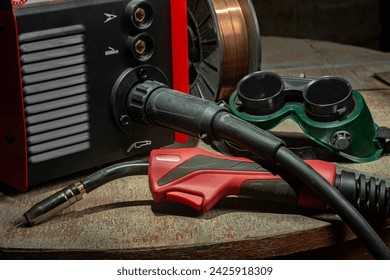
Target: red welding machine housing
{"type": "Point", "coordinates": [66, 69]}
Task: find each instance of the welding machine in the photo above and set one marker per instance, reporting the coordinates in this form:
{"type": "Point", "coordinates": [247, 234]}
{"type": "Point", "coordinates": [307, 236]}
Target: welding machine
{"type": "Point", "coordinates": [61, 61]}
{"type": "Point", "coordinates": [68, 65]}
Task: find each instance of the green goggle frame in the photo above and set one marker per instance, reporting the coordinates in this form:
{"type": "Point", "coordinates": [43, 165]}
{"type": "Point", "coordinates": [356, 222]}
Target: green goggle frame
{"type": "Point", "coordinates": [327, 109]}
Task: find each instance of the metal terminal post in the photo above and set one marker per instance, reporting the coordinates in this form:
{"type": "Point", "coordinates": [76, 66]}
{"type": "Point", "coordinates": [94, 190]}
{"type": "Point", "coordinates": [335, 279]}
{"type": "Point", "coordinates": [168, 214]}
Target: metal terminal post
{"type": "Point", "coordinates": [139, 15]}
{"type": "Point", "coordinates": [140, 47]}
{"type": "Point", "coordinates": [55, 203]}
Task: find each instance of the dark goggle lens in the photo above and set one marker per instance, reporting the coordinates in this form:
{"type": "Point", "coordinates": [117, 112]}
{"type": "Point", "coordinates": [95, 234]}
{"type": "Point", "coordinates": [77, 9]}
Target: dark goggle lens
{"type": "Point", "coordinates": [261, 93]}
{"type": "Point", "coordinates": [328, 99]}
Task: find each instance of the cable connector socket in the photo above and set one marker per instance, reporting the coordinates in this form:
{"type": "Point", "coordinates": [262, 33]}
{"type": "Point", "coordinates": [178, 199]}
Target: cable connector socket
{"type": "Point", "coordinates": [154, 103]}
{"type": "Point", "coordinates": [138, 97]}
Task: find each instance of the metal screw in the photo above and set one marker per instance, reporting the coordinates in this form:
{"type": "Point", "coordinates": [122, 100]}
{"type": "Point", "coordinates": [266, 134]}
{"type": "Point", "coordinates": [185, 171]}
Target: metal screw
{"type": "Point", "coordinates": [124, 120]}
{"type": "Point", "coordinates": [10, 139]}
{"type": "Point", "coordinates": [140, 46]}
{"type": "Point", "coordinates": [139, 15]}
{"type": "Point", "coordinates": [143, 73]}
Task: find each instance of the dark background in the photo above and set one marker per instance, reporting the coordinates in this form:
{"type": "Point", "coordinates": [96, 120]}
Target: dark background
{"type": "Point", "coordinates": [363, 23]}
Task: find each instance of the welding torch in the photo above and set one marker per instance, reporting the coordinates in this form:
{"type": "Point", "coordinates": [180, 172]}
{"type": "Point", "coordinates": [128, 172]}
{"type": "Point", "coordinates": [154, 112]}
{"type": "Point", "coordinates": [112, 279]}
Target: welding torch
{"type": "Point", "coordinates": [200, 179]}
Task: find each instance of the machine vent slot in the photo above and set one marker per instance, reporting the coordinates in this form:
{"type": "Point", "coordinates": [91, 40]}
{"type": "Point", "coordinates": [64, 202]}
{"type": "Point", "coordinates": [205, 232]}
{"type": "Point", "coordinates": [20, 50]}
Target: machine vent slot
{"type": "Point", "coordinates": [56, 92]}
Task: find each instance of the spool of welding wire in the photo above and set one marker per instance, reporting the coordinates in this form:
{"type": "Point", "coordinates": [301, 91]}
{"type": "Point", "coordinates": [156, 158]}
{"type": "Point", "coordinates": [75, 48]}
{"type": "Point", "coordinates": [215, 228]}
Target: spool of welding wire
{"type": "Point", "coordinates": [328, 99]}
{"type": "Point", "coordinates": [261, 93]}
{"type": "Point", "coordinates": [224, 45]}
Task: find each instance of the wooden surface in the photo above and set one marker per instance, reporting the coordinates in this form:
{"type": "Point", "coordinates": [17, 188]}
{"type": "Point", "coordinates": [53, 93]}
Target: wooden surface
{"type": "Point", "coordinates": [120, 220]}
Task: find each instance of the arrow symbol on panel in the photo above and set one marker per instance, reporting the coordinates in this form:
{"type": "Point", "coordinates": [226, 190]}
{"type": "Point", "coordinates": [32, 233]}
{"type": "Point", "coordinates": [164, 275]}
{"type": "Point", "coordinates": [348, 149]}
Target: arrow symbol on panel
{"type": "Point", "coordinates": [110, 17]}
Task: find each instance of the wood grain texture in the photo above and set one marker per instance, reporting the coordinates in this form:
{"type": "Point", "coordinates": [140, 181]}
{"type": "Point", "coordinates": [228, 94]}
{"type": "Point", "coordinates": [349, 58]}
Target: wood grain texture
{"type": "Point", "coordinates": [120, 220]}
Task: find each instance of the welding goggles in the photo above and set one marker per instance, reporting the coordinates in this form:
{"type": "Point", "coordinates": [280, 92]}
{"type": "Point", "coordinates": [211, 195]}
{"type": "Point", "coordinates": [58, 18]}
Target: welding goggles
{"type": "Point", "coordinates": [327, 109]}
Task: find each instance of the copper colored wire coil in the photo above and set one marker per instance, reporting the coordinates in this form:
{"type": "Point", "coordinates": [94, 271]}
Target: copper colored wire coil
{"type": "Point", "coordinates": [235, 44]}
{"type": "Point", "coordinates": [224, 46]}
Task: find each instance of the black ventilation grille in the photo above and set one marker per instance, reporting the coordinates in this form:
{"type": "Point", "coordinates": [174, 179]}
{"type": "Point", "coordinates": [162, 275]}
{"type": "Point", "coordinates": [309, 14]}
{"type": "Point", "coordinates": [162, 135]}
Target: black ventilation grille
{"type": "Point", "coordinates": [55, 86]}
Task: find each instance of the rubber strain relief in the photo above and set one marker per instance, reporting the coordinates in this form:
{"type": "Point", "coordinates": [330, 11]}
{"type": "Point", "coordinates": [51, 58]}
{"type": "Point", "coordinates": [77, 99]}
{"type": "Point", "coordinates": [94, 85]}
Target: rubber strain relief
{"type": "Point", "coordinates": [247, 136]}
{"type": "Point", "coordinates": [138, 97]}
{"type": "Point", "coordinates": [182, 112]}
{"type": "Point", "coordinates": [369, 195]}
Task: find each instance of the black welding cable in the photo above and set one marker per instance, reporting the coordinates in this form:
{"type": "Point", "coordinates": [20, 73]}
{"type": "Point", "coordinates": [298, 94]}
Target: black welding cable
{"type": "Point", "coordinates": [113, 172]}
{"type": "Point", "coordinates": [174, 110]}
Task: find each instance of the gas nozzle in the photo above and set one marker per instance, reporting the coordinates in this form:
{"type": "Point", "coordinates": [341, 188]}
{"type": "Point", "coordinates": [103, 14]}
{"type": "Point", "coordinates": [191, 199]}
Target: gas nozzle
{"type": "Point", "coordinates": [54, 204]}
{"type": "Point", "coordinates": [68, 196]}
